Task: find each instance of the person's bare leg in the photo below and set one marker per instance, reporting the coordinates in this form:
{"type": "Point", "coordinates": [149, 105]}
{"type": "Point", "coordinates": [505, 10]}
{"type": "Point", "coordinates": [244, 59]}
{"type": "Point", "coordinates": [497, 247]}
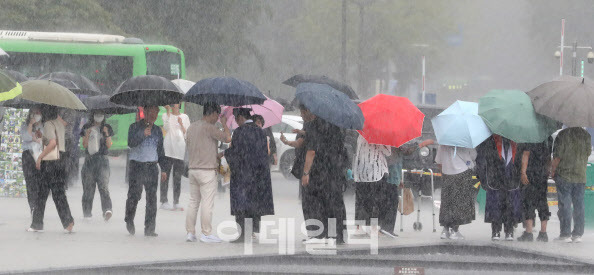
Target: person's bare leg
{"type": "Point", "coordinates": [529, 225]}
{"type": "Point", "coordinates": [543, 226]}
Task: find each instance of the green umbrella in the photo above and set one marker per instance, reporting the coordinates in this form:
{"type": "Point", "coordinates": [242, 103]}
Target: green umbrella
{"type": "Point", "coordinates": [9, 88]}
{"type": "Point", "coordinates": [509, 113]}
{"type": "Point", "coordinates": [48, 93]}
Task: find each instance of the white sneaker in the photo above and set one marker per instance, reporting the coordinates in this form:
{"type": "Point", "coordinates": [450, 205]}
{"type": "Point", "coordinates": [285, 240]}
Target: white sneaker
{"type": "Point", "coordinates": [30, 229]}
{"type": "Point", "coordinates": [178, 206]}
{"type": "Point", "coordinates": [315, 241]}
{"type": "Point", "coordinates": [563, 239]}
{"type": "Point", "coordinates": [210, 239]}
{"type": "Point", "coordinates": [191, 238]}
{"type": "Point", "coordinates": [107, 215]}
{"type": "Point", "coordinates": [445, 234]}
{"type": "Point", "coordinates": [166, 206]}
{"type": "Point", "coordinates": [577, 239]}
{"type": "Point", "coordinates": [389, 234]}
{"type": "Point", "coordinates": [456, 236]}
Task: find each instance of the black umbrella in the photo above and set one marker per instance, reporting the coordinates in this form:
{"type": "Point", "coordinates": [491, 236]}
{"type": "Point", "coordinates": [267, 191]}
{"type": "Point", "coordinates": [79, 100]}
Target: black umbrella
{"type": "Point", "coordinates": [17, 76]}
{"type": "Point", "coordinates": [102, 103]}
{"type": "Point", "coordinates": [78, 84]}
{"type": "Point", "coordinates": [147, 90]}
{"type": "Point", "coordinates": [226, 91]}
{"type": "Point", "coordinates": [331, 105]}
{"type": "Point", "coordinates": [322, 79]}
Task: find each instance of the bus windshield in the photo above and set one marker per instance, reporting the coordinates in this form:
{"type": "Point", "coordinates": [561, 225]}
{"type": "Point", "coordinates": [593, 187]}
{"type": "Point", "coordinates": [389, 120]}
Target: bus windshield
{"type": "Point", "coordinates": [163, 63]}
{"type": "Point", "coordinates": [105, 71]}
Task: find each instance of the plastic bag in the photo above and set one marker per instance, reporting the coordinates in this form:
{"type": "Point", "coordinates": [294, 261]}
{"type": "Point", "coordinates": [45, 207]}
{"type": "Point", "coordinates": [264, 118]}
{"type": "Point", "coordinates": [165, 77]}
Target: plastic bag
{"type": "Point", "coordinates": [407, 206]}
{"type": "Point", "coordinates": [94, 141]}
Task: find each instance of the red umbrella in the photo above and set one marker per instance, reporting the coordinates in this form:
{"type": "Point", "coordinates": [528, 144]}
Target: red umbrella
{"type": "Point", "coordinates": [390, 120]}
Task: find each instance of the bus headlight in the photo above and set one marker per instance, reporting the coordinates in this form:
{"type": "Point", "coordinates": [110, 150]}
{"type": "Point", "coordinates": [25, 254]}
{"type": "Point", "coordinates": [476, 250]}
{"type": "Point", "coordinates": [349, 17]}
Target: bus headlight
{"type": "Point", "coordinates": [424, 152]}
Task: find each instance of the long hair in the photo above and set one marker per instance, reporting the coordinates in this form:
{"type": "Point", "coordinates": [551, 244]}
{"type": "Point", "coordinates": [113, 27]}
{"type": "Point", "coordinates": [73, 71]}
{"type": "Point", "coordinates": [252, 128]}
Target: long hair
{"type": "Point", "coordinates": [49, 113]}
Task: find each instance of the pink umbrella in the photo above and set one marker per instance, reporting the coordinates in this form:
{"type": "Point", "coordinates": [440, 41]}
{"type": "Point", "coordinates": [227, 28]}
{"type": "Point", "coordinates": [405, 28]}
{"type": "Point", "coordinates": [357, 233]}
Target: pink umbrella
{"type": "Point", "coordinates": [271, 110]}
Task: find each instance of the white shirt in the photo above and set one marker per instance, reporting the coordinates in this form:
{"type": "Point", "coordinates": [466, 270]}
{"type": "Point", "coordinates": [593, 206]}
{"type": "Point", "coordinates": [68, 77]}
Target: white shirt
{"type": "Point", "coordinates": [370, 164]}
{"type": "Point", "coordinates": [455, 160]}
{"type": "Point", "coordinates": [174, 142]}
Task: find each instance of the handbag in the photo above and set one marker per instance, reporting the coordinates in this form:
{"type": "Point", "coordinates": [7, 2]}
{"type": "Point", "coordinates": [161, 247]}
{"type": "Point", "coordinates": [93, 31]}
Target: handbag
{"type": "Point", "coordinates": [55, 153]}
{"type": "Point", "coordinates": [407, 206]}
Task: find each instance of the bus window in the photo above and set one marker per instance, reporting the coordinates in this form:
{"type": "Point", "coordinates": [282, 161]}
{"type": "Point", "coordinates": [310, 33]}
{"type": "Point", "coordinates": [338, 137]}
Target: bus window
{"type": "Point", "coordinates": [165, 64]}
{"type": "Point", "coordinates": [105, 71]}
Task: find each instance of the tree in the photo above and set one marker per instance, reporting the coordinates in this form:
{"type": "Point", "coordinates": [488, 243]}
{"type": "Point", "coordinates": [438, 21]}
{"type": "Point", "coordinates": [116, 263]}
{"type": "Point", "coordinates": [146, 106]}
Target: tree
{"type": "Point", "coordinates": [56, 15]}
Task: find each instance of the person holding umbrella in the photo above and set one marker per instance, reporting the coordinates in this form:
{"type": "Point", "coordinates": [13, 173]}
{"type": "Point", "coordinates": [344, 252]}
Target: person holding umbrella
{"type": "Point", "coordinates": [201, 145]}
{"type": "Point", "coordinates": [95, 172]}
{"type": "Point", "coordinates": [145, 140]}
{"type": "Point", "coordinates": [251, 187]}
{"type": "Point", "coordinates": [51, 167]}
{"type": "Point", "coordinates": [31, 146]}
{"type": "Point", "coordinates": [536, 163]}
{"type": "Point", "coordinates": [175, 125]}
{"type": "Point", "coordinates": [498, 169]}
{"type": "Point", "coordinates": [570, 159]}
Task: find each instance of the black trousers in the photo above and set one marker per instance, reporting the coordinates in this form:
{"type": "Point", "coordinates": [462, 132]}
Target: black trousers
{"type": "Point", "coordinates": [177, 165]}
{"type": "Point", "coordinates": [240, 220]}
{"type": "Point", "coordinates": [143, 175]}
{"type": "Point", "coordinates": [508, 227]}
{"type": "Point", "coordinates": [377, 200]}
{"type": "Point", "coordinates": [54, 179]}
{"type": "Point", "coordinates": [32, 178]}
{"type": "Point", "coordinates": [323, 200]}
{"type": "Point", "coordinates": [95, 175]}
{"type": "Point", "coordinates": [535, 198]}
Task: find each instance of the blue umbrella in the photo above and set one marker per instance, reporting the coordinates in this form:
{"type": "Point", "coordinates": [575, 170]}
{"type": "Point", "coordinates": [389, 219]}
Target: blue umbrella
{"type": "Point", "coordinates": [460, 125]}
{"type": "Point", "coordinates": [226, 91]}
{"type": "Point", "coordinates": [330, 105]}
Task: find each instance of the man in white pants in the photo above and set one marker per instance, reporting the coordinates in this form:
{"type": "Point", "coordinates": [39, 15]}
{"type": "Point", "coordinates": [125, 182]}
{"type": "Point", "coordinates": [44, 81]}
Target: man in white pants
{"type": "Point", "coordinates": [201, 144]}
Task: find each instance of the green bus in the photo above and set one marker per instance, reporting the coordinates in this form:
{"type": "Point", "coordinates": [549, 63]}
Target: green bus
{"type": "Point", "coordinates": [107, 60]}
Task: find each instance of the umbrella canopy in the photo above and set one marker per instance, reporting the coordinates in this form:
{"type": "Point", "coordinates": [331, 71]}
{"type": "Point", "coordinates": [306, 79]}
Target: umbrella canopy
{"type": "Point", "coordinates": [567, 99]}
{"type": "Point", "coordinates": [460, 125]}
{"type": "Point", "coordinates": [509, 113]}
{"type": "Point", "coordinates": [76, 83]}
{"type": "Point", "coordinates": [322, 79]}
{"type": "Point", "coordinates": [147, 90]}
{"type": "Point", "coordinates": [3, 56]}
{"type": "Point", "coordinates": [226, 91]}
{"type": "Point", "coordinates": [390, 120]}
{"type": "Point", "coordinates": [9, 89]}
{"type": "Point", "coordinates": [17, 76]}
{"type": "Point", "coordinates": [331, 105]}
{"type": "Point", "coordinates": [270, 110]}
{"type": "Point", "coordinates": [102, 103]}
{"type": "Point", "coordinates": [36, 92]}
{"type": "Point", "coordinates": [183, 85]}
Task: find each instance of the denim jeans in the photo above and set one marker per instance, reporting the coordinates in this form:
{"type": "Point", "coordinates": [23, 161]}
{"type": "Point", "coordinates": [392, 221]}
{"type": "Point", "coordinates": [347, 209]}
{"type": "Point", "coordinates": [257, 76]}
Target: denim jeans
{"type": "Point", "coordinates": [570, 193]}
{"type": "Point", "coordinates": [95, 175]}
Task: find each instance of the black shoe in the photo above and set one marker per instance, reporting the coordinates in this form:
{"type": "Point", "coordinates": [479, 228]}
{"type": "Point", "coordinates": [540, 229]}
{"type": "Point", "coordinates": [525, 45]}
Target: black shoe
{"type": "Point", "coordinates": [150, 234]}
{"type": "Point", "coordinates": [131, 228]}
{"type": "Point", "coordinates": [542, 237]}
{"type": "Point", "coordinates": [509, 237]}
{"type": "Point", "coordinates": [526, 237]}
{"type": "Point", "coordinates": [496, 236]}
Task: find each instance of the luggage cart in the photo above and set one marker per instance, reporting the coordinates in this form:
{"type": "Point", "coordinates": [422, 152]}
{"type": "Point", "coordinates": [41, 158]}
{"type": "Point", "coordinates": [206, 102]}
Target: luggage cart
{"type": "Point", "coordinates": [418, 226]}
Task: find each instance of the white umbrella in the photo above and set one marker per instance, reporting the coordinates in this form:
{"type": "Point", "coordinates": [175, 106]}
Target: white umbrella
{"type": "Point", "coordinates": [184, 85]}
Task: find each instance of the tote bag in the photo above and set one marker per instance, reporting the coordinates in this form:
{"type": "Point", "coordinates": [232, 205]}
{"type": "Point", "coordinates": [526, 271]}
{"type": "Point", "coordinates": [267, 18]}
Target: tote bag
{"type": "Point", "coordinates": [407, 206]}
{"type": "Point", "coordinates": [55, 153]}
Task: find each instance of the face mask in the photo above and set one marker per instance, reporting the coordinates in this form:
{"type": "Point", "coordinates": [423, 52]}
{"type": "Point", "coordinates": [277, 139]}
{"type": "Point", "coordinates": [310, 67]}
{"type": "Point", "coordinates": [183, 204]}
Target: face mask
{"type": "Point", "coordinates": [99, 118]}
{"type": "Point", "coordinates": [37, 118]}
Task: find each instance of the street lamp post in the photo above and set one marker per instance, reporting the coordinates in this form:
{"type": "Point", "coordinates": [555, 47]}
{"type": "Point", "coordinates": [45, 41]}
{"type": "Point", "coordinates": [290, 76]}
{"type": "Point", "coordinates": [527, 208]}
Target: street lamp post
{"type": "Point", "coordinates": [574, 47]}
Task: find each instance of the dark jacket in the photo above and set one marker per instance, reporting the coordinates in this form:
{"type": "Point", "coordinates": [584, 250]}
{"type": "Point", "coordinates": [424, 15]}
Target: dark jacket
{"type": "Point", "coordinates": [136, 137]}
{"type": "Point", "coordinates": [491, 169]}
{"type": "Point", "coordinates": [251, 185]}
